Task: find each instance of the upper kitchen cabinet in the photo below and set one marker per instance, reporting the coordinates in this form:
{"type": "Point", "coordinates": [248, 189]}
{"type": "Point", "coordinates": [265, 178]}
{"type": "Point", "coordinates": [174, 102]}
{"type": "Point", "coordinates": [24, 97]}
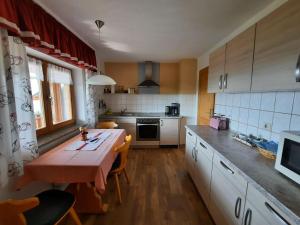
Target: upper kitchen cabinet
{"type": "Point", "coordinates": [239, 61]}
{"type": "Point", "coordinates": [169, 78]}
{"type": "Point", "coordinates": [216, 70]}
{"type": "Point", "coordinates": [277, 49]}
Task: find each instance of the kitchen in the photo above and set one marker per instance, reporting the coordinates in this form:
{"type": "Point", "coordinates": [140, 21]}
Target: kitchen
{"type": "Point", "coordinates": [186, 113]}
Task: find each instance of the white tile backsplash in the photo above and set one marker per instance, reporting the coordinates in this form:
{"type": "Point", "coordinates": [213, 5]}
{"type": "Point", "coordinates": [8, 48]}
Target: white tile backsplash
{"type": "Point", "coordinates": [284, 102]}
{"type": "Point", "coordinates": [261, 114]}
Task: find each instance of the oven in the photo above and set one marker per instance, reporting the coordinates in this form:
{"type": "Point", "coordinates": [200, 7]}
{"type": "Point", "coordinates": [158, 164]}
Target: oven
{"type": "Point", "coordinates": [147, 129]}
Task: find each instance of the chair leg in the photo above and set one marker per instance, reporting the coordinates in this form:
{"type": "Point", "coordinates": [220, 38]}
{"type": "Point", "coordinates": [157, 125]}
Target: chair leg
{"type": "Point", "coordinates": [127, 178]}
{"type": "Point", "coordinates": [75, 217]}
{"type": "Point", "coordinates": [118, 188]}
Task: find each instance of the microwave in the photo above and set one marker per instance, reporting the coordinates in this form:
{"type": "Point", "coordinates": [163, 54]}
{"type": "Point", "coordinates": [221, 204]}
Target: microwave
{"type": "Point", "coordinates": [288, 155]}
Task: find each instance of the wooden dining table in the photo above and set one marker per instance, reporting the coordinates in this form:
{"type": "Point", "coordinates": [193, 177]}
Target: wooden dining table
{"type": "Point", "coordinates": [85, 170]}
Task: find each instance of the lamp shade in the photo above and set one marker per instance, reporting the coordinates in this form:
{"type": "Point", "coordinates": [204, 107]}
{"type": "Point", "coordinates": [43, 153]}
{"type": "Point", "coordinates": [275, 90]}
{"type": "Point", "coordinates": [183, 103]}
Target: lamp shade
{"type": "Point", "coordinates": [101, 80]}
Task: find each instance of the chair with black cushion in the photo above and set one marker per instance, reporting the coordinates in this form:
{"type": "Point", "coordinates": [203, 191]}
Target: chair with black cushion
{"type": "Point", "coordinates": [47, 208]}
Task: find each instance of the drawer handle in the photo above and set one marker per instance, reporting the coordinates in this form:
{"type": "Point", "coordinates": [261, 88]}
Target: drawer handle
{"type": "Point", "coordinates": [276, 214]}
{"type": "Point", "coordinates": [220, 82]}
{"type": "Point", "coordinates": [248, 217]}
{"type": "Point", "coordinates": [237, 209]}
{"type": "Point", "coordinates": [297, 72]}
{"type": "Point", "coordinates": [190, 134]}
{"type": "Point", "coordinates": [226, 167]}
{"type": "Point", "coordinates": [196, 155]}
{"type": "Point", "coordinates": [203, 145]}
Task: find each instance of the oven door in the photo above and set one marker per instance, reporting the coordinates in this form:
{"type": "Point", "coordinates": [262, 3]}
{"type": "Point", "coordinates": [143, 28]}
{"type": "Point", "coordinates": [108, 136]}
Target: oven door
{"type": "Point", "coordinates": [147, 131]}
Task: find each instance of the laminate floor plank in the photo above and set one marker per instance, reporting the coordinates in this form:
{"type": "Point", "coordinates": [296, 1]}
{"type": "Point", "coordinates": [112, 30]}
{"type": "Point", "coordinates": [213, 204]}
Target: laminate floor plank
{"type": "Point", "coordinates": [160, 193]}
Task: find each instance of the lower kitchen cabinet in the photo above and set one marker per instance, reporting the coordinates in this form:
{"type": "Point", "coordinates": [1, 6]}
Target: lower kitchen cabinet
{"type": "Point", "coordinates": [260, 211]}
{"type": "Point", "coordinates": [129, 124]}
{"type": "Point", "coordinates": [190, 146]}
{"type": "Point", "coordinates": [169, 131]}
{"type": "Point", "coordinates": [226, 202]}
{"type": "Point", "coordinates": [203, 167]}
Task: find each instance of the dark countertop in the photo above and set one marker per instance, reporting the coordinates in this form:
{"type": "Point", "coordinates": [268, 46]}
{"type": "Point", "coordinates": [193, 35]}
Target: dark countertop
{"type": "Point", "coordinates": [137, 115]}
{"type": "Point", "coordinates": [256, 169]}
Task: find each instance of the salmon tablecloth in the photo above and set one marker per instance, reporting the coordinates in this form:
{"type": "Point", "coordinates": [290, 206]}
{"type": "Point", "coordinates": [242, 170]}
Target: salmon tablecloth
{"type": "Point", "coordinates": [60, 166]}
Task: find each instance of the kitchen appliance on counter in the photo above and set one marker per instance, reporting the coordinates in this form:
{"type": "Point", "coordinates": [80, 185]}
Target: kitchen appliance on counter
{"type": "Point", "coordinates": [148, 130]}
{"type": "Point", "coordinates": [219, 122]}
{"type": "Point", "coordinates": [173, 109]}
{"type": "Point", "coordinates": [288, 155]}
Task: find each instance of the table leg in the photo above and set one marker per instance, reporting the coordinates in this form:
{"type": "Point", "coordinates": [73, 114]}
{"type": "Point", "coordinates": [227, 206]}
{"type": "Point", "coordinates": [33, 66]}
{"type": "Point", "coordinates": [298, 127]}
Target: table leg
{"type": "Point", "coordinates": [88, 200]}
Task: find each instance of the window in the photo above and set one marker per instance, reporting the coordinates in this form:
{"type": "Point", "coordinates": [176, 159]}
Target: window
{"type": "Point", "coordinates": [52, 95]}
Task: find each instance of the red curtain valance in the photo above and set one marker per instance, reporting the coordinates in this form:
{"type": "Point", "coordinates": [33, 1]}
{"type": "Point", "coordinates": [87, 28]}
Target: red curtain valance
{"type": "Point", "coordinates": [40, 30]}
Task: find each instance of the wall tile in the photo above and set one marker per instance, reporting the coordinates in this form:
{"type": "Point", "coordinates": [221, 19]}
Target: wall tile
{"type": "Point", "coordinates": [228, 112]}
{"type": "Point", "coordinates": [281, 122]}
{"type": "Point", "coordinates": [264, 134]}
{"type": "Point", "coordinates": [284, 102]}
{"type": "Point", "coordinates": [275, 137]}
{"type": "Point", "coordinates": [253, 117]}
{"type": "Point", "coordinates": [252, 130]}
{"type": "Point", "coordinates": [296, 107]}
{"type": "Point", "coordinates": [245, 100]}
{"type": "Point", "coordinates": [265, 117]}
{"type": "Point", "coordinates": [235, 113]}
{"type": "Point", "coordinates": [236, 100]}
{"type": "Point", "coordinates": [268, 101]}
{"type": "Point", "coordinates": [295, 123]}
{"type": "Point", "coordinates": [229, 99]}
{"type": "Point", "coordinates": [234, 125]}
{"type": "Point", "coordinates": [242, 128]}
{"type": "Point", "coordinates": [243, 115]}
{"type": "Point", "coordinates": [255, 100]}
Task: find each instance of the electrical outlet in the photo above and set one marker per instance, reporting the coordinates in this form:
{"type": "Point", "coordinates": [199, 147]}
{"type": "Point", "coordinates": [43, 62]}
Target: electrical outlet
{"type": "Point", "coordinates": [268, 126]}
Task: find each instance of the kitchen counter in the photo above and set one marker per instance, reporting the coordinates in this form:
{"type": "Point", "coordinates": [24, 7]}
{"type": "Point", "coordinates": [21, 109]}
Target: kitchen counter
{"type": "Point", "coordinates": [137, 115]}
{"type": "Point", "coordinates": [257, 170]}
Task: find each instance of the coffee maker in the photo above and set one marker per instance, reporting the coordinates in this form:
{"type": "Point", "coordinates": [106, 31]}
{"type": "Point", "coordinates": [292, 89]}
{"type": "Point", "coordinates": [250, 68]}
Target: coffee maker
{"type": "Point", "coordinates": [173, 109]}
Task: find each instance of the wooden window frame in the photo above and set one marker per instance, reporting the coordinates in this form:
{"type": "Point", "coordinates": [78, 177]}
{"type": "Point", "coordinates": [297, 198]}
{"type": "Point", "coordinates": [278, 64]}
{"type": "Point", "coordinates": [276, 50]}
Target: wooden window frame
{"type": "Point", "coordinates": [50, 127]}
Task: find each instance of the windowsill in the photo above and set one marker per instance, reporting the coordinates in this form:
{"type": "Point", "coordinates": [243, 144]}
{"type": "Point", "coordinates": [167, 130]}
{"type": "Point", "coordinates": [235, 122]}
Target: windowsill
{"type": "Point", "coordinates": [49, 141]}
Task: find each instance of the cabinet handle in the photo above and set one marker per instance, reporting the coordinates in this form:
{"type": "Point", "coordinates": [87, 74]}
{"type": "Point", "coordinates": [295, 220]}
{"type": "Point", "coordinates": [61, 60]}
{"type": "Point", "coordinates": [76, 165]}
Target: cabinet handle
{"type": "Point", "coordinates": [203, 146]}
{"type": "Point", "coordinates": [225, 81]}
{"type": "Point", "coordinates": [221, 82]}
{"type": "Point", "coordinates": [248, 217]}
{"type": "Point", "coordinates": [161, 123]}
{"type": "Point", "coordinates": [196, 155]}
{"type": "Point", "coordinates": [193, 153]}
{"type": "Point", "coordinates": [297, 72]}
{"type": "Point", "coordinates": [237, 209]}
{"type": "Point", "coordinates": [190, 134]}
{"type": "Point", "coordinates": [226, 167]}
{"type": "Point", "coordinates": [276, 214]}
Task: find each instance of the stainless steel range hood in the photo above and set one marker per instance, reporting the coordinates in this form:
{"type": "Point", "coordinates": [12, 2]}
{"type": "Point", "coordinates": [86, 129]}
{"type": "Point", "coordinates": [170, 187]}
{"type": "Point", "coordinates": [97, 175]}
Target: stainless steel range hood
{"type": "Point", "coordinates": [148, 73]}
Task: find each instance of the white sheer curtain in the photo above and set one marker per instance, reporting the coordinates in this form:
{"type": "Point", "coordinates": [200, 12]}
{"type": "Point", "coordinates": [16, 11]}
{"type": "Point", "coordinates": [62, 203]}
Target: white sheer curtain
{"type": "Point", "coordinates": [91, 105]}
{"type": "Point", "coordinates": [60, 75]}
{"type": "Point", "coordinates": [35, 68]}
{"type": "Point", "coordinates": [17, 128]}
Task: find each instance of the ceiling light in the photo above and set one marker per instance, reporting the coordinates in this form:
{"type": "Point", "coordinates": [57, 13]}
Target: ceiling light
{"type": "Point", "coordinates": [101, 80]}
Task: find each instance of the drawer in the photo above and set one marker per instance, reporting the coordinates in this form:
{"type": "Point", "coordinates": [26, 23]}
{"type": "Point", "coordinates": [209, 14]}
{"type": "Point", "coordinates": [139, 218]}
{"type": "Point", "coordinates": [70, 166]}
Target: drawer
{"type": "Point", "coordinates": [230, 172]}
{"type": "Point", "coordinates": [204, 148]}
{"type": "Point", "coordinates": [191, 136]}
{"type": "Point", "coordinates": [268, 210]}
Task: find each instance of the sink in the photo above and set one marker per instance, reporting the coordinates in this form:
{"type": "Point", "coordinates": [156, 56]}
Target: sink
{"type": "Point", "coordinates": [126, 114]}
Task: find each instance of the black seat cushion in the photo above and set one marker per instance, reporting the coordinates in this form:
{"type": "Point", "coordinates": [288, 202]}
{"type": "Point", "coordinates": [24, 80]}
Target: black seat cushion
{"type": "Point", "coordinates": [117, 162]}
{"type": "Point", "coordinates": [53, 206]}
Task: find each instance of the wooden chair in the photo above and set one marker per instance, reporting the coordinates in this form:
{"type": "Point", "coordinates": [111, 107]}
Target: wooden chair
{"type": "Point", "coordinates": [119, 165]}
{"type": "Point", "coordinates": [107, 125]}
{"type": "Point", "coordinates": [47, 208]}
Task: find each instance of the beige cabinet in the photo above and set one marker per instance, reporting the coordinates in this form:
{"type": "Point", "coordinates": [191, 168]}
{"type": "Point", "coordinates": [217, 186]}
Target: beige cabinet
{"type": "Point", "coordinates": [277, 49]}
{"type": "Point", "coordinates": [230, 67]}
{"type": "Point", "coordinates": [190, 146]}
{"type": "Point", "coordinates": [169, 131]}
{"type": "Point", "coordinates": [239, 60]}
{"type": "Point", "coordinates": [216, 70]}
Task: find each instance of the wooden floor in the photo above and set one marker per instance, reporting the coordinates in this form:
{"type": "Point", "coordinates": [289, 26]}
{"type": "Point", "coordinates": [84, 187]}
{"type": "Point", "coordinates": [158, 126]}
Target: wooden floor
{"type": "Point", "coordinates": [161, 193]}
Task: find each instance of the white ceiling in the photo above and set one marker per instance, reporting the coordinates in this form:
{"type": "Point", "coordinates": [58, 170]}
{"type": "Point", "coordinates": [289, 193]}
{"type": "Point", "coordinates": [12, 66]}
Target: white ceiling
{"type": "Point", "coordinates": [157, 30]}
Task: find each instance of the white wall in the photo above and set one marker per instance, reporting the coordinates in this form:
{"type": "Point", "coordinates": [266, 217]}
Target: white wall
{"type": "Point", "coordinates": [250, 112]}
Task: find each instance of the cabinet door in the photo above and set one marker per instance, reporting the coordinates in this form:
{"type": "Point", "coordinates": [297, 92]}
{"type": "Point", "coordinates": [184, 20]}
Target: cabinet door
{"type": "Point", "coordinates": [226, 202]}
{"type": "Point", "coordinates": [203, 169]}
{"type": "Point", "coordinates": [130, 129]}
{"type": "Point", "coordinates": [277, 48]}
{"type": "Point", "coordinates": [216, 70]}
{"type": "Point", "coordinates": [189, 153]}
{"type": "Point", "coordinates": [239, 61]}
{"type": "Point", "coordinates": [169, 132]}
